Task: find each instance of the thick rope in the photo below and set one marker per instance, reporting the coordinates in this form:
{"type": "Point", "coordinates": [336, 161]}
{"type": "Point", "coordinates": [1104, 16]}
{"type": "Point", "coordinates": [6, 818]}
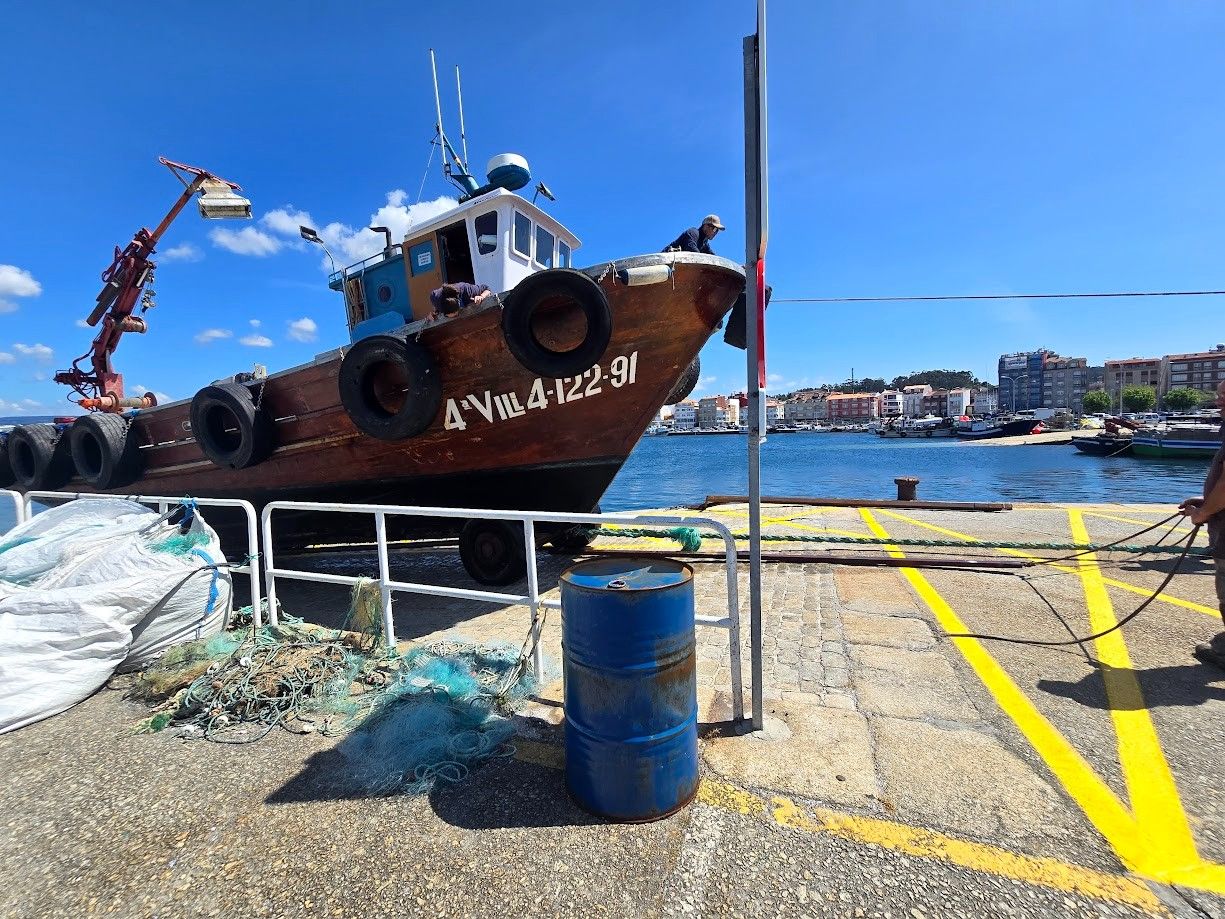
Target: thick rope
{"type": "Point", "coordinates": [691, 541]}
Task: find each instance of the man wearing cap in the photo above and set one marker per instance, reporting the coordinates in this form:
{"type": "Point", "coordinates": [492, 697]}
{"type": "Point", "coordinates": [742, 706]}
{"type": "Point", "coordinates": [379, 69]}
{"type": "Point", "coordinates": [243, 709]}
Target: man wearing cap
{"type": "Point", "coordinates": [697, 239]}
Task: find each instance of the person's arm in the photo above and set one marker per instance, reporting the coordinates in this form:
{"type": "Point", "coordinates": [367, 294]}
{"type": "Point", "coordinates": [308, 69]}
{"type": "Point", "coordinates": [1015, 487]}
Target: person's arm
{"type": "Point", "coordinates": [1213, 504]}
{"type": "Point", "coordinates": [689, 241]}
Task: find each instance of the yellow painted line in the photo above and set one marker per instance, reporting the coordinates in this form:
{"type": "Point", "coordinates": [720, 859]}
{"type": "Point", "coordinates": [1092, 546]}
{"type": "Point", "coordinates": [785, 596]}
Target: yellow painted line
{"type": "Point", "coordinates": [1150, 784]}
{"type": "Point", "coordinates": [1122, 585]}
{"type": "Point", "coordinates": [1094, 796]}
{"type": "Point", "coordinates": [900, 837]}
{"type": "Point", "coordinates": [1178, 529]}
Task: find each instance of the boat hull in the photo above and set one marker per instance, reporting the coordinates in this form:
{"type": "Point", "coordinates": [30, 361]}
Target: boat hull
{"type": "Point", "coordinates": [503, 437]}
{"type": "Point", "coordinates": [1169, 449]}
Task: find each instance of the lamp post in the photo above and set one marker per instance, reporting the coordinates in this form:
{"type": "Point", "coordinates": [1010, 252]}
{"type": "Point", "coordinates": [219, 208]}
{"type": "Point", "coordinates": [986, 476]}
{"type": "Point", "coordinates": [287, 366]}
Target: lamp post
{"type": "Point", "coordinates": [309, 234]}
{"type": "Point", "coordinates": [1012, 388]}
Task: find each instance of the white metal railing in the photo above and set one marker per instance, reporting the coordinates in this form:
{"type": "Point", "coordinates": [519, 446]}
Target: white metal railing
{"type": "Point", "coordinates": [532, 599]}
{"type": "Point", "coordinates": [19, 506]}
{"type": "Point", "coordinates": [250, 565]}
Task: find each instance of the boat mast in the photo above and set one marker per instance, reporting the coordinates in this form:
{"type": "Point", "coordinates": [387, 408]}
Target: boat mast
{"type": "Point", "coordinates": [463, 138]}
{"type": "Point", "coordinates": [461, 179]}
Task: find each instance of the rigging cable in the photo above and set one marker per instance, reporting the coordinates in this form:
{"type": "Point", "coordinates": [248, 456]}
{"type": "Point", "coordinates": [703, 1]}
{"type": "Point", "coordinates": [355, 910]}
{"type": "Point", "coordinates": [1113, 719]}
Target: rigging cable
{"type": "Point", "coordinates": [913, 299]}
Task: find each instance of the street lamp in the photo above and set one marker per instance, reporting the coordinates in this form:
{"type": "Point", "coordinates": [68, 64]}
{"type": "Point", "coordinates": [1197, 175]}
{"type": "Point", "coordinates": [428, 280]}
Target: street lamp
{"type": "Point", "coordinates": [309, 234]}
{"type": "Point", "coordinates": [1012, 388]}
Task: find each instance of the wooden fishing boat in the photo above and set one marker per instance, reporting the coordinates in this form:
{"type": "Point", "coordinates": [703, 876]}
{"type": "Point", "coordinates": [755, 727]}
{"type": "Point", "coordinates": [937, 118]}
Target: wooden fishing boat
{"type": "Point", "coordinates": [532, 398]}
{"type": "Point", "coordinates": [1177, 441]}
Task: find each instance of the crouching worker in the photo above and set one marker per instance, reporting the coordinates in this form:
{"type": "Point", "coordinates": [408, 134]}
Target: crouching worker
{"type": "Point", "coordinates": [451, 298]}
{"type": "Point", "coordinates": [1210, 510]}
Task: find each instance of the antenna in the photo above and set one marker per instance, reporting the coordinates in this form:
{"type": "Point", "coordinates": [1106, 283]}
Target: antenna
{"type": "Point", "coordinates": [438, 106]}
{"type": "Point", "coordinates": [463, 181]}
{"type": "Point", "coordinates": [463, 138]}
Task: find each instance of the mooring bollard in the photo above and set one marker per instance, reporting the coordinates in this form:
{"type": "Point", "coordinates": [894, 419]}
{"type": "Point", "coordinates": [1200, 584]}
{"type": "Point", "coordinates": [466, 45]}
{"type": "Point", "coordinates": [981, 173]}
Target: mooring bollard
{"type": "Point", "coordinates": [906, 487]}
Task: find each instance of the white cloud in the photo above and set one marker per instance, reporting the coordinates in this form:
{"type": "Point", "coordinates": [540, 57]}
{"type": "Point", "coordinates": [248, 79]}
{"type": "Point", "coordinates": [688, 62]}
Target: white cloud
{"type": "Point", "coordinates": [705, 381]}
{"type": "Point", "coordinates": [256, 341]}
{"type": "Point", "coordinates": [7, 306]}
{"type": "Point", "coordinates": [247, 241]}
{"type": "Point", "coordinates": [211, 335]}
{"type": "Point", "coordinates": [303, 330]}
{"type": "Point", "coordinates": [24, 407]}
{"type": "Point", "coordinates": [774, 378]}
{"type": "Point", "coordinates": [6, 358]}
{"type": "Point", "coordinates": [36, 351]}
{"type": "Point", "coordinates": [81, 324]}
{"type": "Point", "coordinates": [286, 221]}
{"type": "Point", "coordinates": [255, 323]}
{"type": "Point", "coordinates": [184, 253]}
{"type": "Point", "coordinates": [17, 282]}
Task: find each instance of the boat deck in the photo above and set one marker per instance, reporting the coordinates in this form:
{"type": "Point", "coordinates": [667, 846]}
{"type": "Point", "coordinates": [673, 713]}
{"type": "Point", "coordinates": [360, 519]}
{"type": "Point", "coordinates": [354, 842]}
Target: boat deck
{"type": "Point", "coordinates": [900, 773]}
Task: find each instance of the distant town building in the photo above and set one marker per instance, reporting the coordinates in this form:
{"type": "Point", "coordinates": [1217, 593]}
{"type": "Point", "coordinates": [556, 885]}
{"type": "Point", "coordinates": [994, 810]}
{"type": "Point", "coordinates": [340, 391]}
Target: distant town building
{"type": "Point", "coordinates": [804, 410]}
{"type": "Point", "coordinates": [1132, 371]}
{"type": "Point", "coordinates": [1065, 380]}
{"type": "Point", "coordinates": [1020, 379]}
{"type": "Point", "coordinates": [844, 407]}
{"type": "Point", "coordinates": [773, 413]}
{"type": "Point", "coordinates": [1202, 370]}
{"type": "Point", "coordinates": [717, 411]}
{"type": "Point", "coordinates": [891, 403]}
{"type": "Point", "coordinates": [685, 415]}
{"type": "Point", "coordinates": [984, 400]}
{"type": "Point", "coordinates": [912, 399]}
{"type": "Point", "coordinates": [957, 403]}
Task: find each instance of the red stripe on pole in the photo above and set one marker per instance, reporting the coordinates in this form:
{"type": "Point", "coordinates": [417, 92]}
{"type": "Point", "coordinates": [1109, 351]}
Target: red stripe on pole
{"type": "Point", "coordinates": [761, 323]}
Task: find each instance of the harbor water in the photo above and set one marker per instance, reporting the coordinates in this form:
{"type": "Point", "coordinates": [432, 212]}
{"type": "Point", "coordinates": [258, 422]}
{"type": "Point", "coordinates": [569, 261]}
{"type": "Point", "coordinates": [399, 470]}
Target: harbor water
{"type": "Point", "coordinates": [664, 471]}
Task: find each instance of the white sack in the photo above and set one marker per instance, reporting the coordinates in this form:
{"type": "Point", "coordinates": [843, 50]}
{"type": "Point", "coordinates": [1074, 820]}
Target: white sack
{"type": "Point", "coordinates": [84, 590]}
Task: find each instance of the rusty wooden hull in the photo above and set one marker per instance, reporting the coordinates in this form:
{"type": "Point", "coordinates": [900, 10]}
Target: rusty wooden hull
{"type": "Point", "coordinates": [503, 437]}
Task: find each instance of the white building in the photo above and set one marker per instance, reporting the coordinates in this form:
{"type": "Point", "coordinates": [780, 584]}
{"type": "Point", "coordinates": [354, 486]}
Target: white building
{"type": "Point", "coordinates": [912, 399]}
{"type": "Point", "coordinates": [958, 402]}
{"type": "Point", "coordinates": [773, 411]}
{"type": "Point", "coordinates": [891, 404]}
{"type": "Point", "coordinates": [685, 415]}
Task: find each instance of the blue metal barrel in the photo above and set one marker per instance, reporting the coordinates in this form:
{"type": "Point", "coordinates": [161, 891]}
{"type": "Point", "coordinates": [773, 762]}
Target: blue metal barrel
{"type": "Point", "coordinates": [631, 686]}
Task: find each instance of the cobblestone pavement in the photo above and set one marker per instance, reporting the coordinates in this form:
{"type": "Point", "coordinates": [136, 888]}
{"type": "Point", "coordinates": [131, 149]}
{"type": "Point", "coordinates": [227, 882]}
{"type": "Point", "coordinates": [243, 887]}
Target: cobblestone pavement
{"type": "Point", "coordinates": [898, 774]}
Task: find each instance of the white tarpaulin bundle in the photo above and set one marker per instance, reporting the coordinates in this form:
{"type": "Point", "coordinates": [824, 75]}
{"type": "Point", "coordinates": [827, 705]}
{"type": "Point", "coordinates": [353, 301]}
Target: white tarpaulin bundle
{"type": "Point", "coordinates": [95, 585]}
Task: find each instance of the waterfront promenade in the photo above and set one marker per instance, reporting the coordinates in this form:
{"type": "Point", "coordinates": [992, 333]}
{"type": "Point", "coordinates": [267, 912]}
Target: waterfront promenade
{"type": "Point", "coordinates": [900, 774]}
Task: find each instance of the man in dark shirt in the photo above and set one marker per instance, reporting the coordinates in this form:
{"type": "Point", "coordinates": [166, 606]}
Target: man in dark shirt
{"type": "Point", "coordinates": [697, 239]}
{"type": "Point", "coordinates": [451, 298]}
{"type": "Point", "coordinates": [1210, 510]}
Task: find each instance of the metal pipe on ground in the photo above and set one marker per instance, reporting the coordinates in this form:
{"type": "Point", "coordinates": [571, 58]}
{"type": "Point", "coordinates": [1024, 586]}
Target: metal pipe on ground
{"type": "Point", "coordinates": [855, 559]}
{"type": "Point", "coordinates": [797, 501]}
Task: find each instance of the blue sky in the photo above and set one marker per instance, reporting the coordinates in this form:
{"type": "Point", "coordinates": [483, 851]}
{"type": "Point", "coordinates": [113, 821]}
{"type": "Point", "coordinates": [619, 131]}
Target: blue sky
{"type": "Point", "coordinates": [916, 148]}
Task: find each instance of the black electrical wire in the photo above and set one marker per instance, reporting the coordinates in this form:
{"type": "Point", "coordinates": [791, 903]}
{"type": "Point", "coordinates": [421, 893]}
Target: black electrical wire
{"type": "Point", "coordinates": [1118, 625]}
{"type": "Point", "coordinates": [912, 299]}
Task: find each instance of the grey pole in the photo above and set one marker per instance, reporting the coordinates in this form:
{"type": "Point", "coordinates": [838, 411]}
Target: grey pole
{"type": "Point", "coordinates": [756, 226]}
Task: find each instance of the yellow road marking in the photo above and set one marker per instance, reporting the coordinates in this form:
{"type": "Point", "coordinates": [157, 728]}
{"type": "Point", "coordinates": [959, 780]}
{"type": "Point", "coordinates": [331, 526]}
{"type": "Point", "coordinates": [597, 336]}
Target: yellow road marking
{"type": "Point", "coordinates": [900, 837]}
{"type": "Point", "coordinates": [1122, 585]}
{"type": "Point", "coordinates": [1099, 803]}
{"type": "Point", "coordinates": [1178, 529]}
{"type": "Point", "coordinates": [1150, 785]}
{"type": "Point", "coordinates": [1157, 853]}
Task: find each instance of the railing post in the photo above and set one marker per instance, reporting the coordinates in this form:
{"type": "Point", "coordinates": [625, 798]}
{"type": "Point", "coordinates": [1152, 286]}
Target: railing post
{"type": "Point", "coordinates": [380, 534]}
{"type": "Point", "coordinates": [533, 592]}
{"type": "Point", "coordinates": [269, 577]}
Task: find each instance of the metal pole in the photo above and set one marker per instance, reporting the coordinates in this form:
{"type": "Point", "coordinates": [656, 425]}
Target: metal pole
{"type": "Point", "coordinates": [463, 138]}
{"type": "Point", "coordinates": [756, 231]}
{"type": "Point", "coordinates": [438, 104]}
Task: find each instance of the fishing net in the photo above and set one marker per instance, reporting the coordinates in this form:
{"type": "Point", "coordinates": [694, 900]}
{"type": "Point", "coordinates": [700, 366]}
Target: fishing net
{"type": "Point", "coordinates": [427, 716]}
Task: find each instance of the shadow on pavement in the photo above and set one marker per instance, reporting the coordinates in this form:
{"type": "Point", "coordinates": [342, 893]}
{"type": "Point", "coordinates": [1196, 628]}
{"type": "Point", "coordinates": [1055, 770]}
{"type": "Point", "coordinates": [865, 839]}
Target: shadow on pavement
{"type": "Point", "coordinates": [1163, 687]}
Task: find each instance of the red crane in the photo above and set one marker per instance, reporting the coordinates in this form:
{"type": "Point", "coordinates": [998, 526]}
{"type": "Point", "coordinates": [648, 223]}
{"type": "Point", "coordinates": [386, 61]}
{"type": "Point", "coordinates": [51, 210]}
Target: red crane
{"type": "Point", "coordinates": [124, 284]}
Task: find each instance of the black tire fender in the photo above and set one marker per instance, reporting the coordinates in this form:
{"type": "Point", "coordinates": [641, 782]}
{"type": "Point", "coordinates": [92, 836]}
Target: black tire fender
{"type": "Point", "coordinates": [104, 450]}
{"type": "Point", "coordinates": [493, 551]}
{"type": "Point", "coordinates": [390, 386]}
{"type": "Point", "coordinates": [39, 457]}
{"type": "Point", "coordinates": [229, 428]}
{"type": "Point", "coordinates": [6, 470]}
{"type": "Point", "coordinates": [688, 380]}
{"type": "Point", "coordinates": [556, 285]}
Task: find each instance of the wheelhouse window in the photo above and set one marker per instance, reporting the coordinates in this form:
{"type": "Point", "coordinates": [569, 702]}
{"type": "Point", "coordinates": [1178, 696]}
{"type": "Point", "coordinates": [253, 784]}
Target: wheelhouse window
{"type": "Point", "coordinates": [523, 235]}
{"type": "Point", "coordinates": [486, 227]}
{"type": "Point", "coordinates": [563, 255]}
{"type": "Point", "coordinates": [544, 247]}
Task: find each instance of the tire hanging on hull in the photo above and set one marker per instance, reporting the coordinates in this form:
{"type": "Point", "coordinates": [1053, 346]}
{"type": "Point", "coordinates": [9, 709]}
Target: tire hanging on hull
{"type": "Point", "coordinates": [390, 386]}
{"type": "Point", "coordinates": [556, 289]}
{"type": "Point", "coordinates": [684, 386]}
{"type": "Point", "coordinates": [39, 457]}
{"type": "Point", "coordinates": [230, 428]}
{"type": "Point", "coordinates": [104, 451]}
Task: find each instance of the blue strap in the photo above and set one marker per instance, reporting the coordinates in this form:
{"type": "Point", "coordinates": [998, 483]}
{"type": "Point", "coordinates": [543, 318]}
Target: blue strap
{"type": "Point", "coordinates": [213, 593]}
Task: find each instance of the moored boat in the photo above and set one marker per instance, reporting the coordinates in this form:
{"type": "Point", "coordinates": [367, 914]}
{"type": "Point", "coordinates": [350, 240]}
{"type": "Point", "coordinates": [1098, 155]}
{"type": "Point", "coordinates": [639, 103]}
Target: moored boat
{"type": "Point", "coordinates": [1104, 444]}
{"type": "Point", "coordinates": [531, 398]}
{"type": "Point", "coordinates": [1178, 440]}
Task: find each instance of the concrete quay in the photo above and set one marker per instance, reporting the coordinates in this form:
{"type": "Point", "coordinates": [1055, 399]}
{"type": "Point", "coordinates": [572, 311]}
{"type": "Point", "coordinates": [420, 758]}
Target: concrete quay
{"type": "Point", "coordinates": [901, 773]}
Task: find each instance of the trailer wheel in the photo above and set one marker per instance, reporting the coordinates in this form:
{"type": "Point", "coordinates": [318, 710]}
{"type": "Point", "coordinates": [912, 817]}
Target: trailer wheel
{"type": "Point", "coordinates": [229, 428]}
{"type": "Point", "coordinates": [548, 304]}
{"type": "Point", "coordinates": [39, 457]}
{"type": "Point", "coordinates": [104, 451]}
{"type": "Point", "coordinates": [390, 387]}
{"type": "Point", "coordinates": [493, 552]}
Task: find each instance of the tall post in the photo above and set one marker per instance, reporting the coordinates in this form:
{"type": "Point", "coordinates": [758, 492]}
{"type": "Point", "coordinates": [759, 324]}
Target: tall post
{"type": "Point", "coordinates": [756, 232]}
